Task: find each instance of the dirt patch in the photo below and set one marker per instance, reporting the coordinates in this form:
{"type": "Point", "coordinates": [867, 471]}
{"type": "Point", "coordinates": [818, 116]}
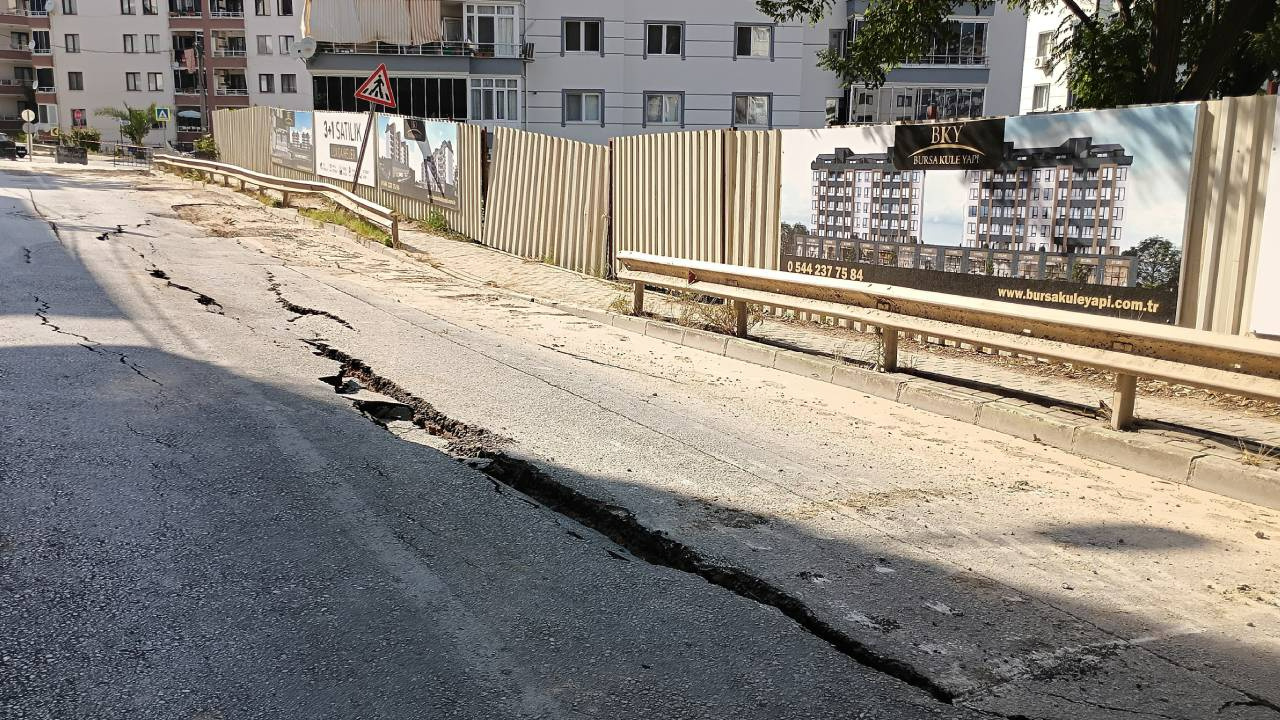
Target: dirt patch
{"type": "Point", "coordinates": [234, 221]}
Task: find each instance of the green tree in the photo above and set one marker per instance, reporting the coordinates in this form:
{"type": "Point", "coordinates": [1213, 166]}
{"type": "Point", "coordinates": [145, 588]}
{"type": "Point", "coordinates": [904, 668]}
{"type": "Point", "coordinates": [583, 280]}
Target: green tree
{"type": "Point", "coordinates": [135, 123]}
{"type": "Point", "coordinates": [1145, 51]}
{"type": "Point", "coordinates": [1159, 263]}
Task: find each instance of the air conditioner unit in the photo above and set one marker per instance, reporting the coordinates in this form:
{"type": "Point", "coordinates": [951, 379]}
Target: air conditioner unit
{"type": "Point", "coordinates": [1041, 62]}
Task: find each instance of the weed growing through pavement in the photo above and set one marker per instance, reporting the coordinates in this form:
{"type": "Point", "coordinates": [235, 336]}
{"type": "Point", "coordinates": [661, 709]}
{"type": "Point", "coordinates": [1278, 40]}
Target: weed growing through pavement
{"type": "Point", "coordinates": [354, 223]}
{"type": "Point", "coordinates": [1265, 454]}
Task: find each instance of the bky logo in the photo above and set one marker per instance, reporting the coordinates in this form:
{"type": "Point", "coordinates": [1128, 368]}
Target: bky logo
{"type": "Point", "coordinates": [978, 144]}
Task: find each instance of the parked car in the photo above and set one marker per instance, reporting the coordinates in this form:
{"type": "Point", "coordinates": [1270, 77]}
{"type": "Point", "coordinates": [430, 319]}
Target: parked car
{"type": "Point", "coordinates": [11, 150]}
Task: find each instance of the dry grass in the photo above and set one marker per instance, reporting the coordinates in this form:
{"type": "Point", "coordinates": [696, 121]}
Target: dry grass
{"type": "Point", "coordinates": [1264, 455]}
{"type": "Point", "coordinates": [354, 223]}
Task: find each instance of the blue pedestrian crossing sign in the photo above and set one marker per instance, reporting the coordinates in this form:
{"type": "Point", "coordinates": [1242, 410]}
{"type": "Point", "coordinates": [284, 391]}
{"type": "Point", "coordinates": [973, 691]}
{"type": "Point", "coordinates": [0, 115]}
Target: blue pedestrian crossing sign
{"type": "Point", "coordinates": [163, 114]}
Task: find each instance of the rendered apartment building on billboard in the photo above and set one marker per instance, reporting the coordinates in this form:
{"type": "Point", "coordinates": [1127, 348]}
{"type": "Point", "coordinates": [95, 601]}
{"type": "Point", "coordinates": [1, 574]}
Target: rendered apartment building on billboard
{"type": "Point", "coordinates": [1068, 198]}
{"type": "Point", "coordinates": [863, 197]}
{"type": "Point", "coordinates": [1046, 214]}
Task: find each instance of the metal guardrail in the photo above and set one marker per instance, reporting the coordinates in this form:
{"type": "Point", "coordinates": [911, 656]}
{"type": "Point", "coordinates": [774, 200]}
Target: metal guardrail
{"type": "Point", "coordinates": [375, 213]}
{"type": "Point", "coordinates": [1132, 349]}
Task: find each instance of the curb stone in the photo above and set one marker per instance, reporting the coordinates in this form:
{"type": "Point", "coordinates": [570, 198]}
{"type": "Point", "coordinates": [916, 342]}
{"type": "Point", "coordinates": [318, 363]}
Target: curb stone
{"type": "Point", "coordinates": [1132, 451]}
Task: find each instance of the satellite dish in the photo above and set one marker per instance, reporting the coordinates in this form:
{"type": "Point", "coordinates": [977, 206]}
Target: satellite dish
{"type": "Point", "coordinates": [304, 48]}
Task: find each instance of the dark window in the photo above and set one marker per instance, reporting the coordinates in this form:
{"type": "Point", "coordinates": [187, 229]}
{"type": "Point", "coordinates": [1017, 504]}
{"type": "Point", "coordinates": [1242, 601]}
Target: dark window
{"type": "Point", "coordinates": [75, 81]}
{"type": "Point", "coordinates": [582, 36]}
{"type": "Point", "coordinates": [284, 7]}
{"type": "Point", "coordinates": [754, 41]}
{"type": "Point", "coordinates": [665, 39]}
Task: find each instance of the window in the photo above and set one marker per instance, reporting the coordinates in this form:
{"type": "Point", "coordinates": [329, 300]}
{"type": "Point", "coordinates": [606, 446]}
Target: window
{"type": "Point", "coordinates": [1044, 44]}
{"type": "Point", "coordinates": [664, 109]}
{"type": "Point", "coordinates": [664, 39]}
{"type": "Point", "coordinates": [131, 43]}
{"type": "Point", "coordinates": [68, 7]}
{"type": "Point", "coordinates": [155, 81]}
{"type": "Point", "coordinates": [151, 43]}
{"type": "Point", "coordinates": [284, 7]}
{"type": "Point", "coordinates": [42, 42]}
{"type": "Point", "coordinates": [264, 44]}
{"type": "Point", "coordinates": [19, 41]}
{"type": "Point", "coordinates": [754, 41]}
{"type": "Point", "coordinates": [583, 36]}
{"type": "Point", "coordinates": [126, 7]}
{"type": "Point", "coordinates": [133, 81]}
{"type": "Point", "coordinates": [752, 111]}
{"type": "Point", "coordinates": [491, 28]}
{"type": "Point", "coordinates": [583, 107]}
{"type": "Point", "coordinates": [260, 8]}
{"type": "Point", "coordinates": [1040, 98]}
{"type": "Point", "coordinates": [79, 118]}
{"type": "Point", "coordinates": [47, 114]}
{"type": "Point", "coordinates": [71, 43]}
{"type": "Point", "coordinates": [943, 103]}
{"type": "Point", "coordinates": [286, 43]}
{"type": "Point", "coordinates": [266, 83]}
{"type": "Point", "coordinates": [150, 7]}
{"type": "Point", "coordinates": [288, 83]}
{"type": "Point", "coordinates": [75, 80]}
{"type": "Point", "coordinates": [495, 99]}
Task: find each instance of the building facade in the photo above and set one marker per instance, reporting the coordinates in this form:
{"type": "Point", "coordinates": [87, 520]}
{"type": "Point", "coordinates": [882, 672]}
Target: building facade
{"type": "Point", "coordinates": [595, 69]}
{"type": "Point", "coordinates": [190, 56]}
{"type": "Point", "coordinates": [862, 197]}
{"type": "Point", "coordinates": [976, 71]}
{"type": "Point", "coordinates": [1069, 198]}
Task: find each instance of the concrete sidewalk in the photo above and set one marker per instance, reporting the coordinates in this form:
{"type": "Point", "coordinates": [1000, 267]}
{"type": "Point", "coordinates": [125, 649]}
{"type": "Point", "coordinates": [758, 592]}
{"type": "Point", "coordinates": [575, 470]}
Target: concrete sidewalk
{"type": "Point", "coordinates": [1215, 442]}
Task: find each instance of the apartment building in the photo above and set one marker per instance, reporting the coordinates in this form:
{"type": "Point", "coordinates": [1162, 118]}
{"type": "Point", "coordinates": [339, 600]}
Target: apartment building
{"type": "Point", "coordinates": [595, 69]}
{"type": "Point", "coordinates": [861, 196]}
{"type": "Point", "coordinates": [191, 56]}
{"type": "Point", "coordinates": [17, 70]}
{"type": "Point", "coordinates": [1044, 84]}
{"type": "Point", "coordinates": [1068, 198]}
{"type": "Point", "coordinates": [976, 71]}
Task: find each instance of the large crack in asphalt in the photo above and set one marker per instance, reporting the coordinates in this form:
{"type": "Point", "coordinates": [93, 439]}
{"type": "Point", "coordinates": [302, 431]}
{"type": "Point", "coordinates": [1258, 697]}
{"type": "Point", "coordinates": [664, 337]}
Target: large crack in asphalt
{"type": "Point", "coordinates": [299, 310]}
{"type": "Point", "coordinates": [483, 450]}
{"type": "Point", "coordinates": [207, 302]}
{"type": "Point", "coordinates": [93, 346]}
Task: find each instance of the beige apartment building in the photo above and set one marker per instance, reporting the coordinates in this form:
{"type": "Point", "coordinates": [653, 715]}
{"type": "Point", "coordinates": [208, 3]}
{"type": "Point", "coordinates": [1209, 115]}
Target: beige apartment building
{"type": "Point", "coordinates": [66, 59]}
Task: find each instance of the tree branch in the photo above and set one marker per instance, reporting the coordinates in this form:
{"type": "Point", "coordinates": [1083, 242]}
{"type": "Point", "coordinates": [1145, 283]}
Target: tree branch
{"type": "Point", "coordinates": [1240, 16]}
{"type": "Point", "coordinates": [1079, 12]}
{"type": "Point", "coordinates": [1166, 46]}
{"type": "Point", "coordinates": [1126, 11]}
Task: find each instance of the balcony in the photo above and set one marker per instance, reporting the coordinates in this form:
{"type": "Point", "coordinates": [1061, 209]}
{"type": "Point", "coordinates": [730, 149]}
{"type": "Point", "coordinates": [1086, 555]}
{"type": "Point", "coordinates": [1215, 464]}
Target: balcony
{"type": "Point", "coordinates": [231, 91]}
{"type": "Point", "coordinates": [12, 88]}
{"type": "Point", "coordinates": [448, 48]}
{"type": "Point", "coordinates": [216, 14]}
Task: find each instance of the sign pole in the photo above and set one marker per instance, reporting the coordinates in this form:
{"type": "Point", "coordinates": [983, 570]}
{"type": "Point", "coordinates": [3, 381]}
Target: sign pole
{"type": "Point", "coordinates": [364, 145]}
{"type": "Point", "coordinates": [376, 91]}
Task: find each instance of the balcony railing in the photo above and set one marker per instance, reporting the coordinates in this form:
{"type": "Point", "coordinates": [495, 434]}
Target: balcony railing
{"type": "Point", "coordinates": [186, 91]}
{"type": "Point", "coordinates": [444, 48]}
{"type": "Point", "coordinates": [186, 13]}
{"type": "Point", "coordinates": [231, 91]}
{"type": "Point", "coordinates": [42, 51]}
{"type": "Point", "coordinates": [231, 52]}
{"type": "Point", "coordinates": [46, 88]}
{"type": "Point", "coordinates": [226, 13]}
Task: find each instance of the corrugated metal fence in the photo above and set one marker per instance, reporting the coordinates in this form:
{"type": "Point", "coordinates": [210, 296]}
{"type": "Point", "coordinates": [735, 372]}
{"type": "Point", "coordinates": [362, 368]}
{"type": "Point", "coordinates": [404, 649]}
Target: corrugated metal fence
{"type": "Point", "coordinates": [1228, 196]}
{"type": "Point", "coordinates": [715, 195]}
{"type": "Point", "coordinates": [548, 199]}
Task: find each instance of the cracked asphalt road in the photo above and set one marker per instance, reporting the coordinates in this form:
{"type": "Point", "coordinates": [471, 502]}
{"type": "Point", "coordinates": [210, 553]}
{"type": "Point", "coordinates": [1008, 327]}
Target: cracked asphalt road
{"type": "Point", "coordinates": [194, 525]}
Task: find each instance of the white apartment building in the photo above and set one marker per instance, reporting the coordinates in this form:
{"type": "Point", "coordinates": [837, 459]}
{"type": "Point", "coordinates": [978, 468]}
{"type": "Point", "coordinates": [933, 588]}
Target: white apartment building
{"type": "Point", "coordinates": [1044, 88]}
{"type": "Point", "coordinates": [975, 73]}
{"type": "Point", "coordinates": [85, 55]}
{"type": "Point", "coordinates": [595, 69]}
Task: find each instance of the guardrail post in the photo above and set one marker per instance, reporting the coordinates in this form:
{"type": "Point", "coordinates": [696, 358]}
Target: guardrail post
{"type": "Point", "coordinates": [739, 318]}
{"type": "Point", "coordinates": [395, 232]}
{"type": "Point", "coordinates": [637, 298]}
{"type": "Point", "coordinates": [888, 349]}
{"type": "Point", "coordinates": [1122, 404]}
{"type": "Point", "coordinates": [284, 198]}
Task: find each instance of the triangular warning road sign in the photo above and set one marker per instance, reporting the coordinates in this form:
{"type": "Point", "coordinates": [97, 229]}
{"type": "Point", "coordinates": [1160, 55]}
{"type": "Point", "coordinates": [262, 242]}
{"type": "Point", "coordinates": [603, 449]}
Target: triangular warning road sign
{"type": "Point", "coordinates": [377, 89]}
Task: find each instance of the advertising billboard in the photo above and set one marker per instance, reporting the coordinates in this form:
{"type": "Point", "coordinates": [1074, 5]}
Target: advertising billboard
{"type": "Point", "coordinates": [1082, 211]}
{"type": "Point", "coordinates": [418, 159]}
{"type": "Point", "coordinates": [293, 143]}
{"type": "Point", "coordinates": [339, 137]}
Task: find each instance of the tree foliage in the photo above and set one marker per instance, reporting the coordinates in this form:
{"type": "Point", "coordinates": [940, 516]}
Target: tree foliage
{"type": "Point", "coordinates": [135, 123]}
{"type": "Point", "coordinates": [1159, 263]}
{"type": "Point", "coordinates": [1136, 51]}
